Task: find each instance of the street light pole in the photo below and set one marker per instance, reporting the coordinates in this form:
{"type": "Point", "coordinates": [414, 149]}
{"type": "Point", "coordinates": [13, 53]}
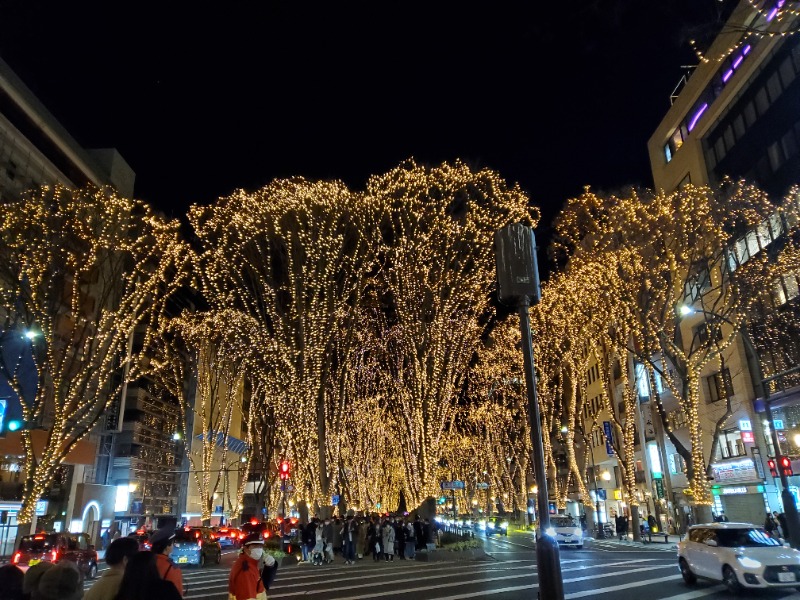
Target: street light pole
{"type": "Point", "coordinates": [518, 285]}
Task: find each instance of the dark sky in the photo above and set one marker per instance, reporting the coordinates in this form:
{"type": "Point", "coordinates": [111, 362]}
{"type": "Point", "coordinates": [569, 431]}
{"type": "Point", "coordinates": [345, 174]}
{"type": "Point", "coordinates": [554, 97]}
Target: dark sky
{"type": "Point", "coordinates": [202, 98]}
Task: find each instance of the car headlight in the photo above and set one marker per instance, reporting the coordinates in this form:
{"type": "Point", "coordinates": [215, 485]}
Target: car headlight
{"type": "Point", "coordinates": [577, 531]}
{"type": "Point", "coordinates": [747, 562]}
{"type": "Point", "coordinates": [550, 531]}
{"type": "Point", "coordinates": [490, 525]}
{"type": "Point", "coordinates": [504, 525]}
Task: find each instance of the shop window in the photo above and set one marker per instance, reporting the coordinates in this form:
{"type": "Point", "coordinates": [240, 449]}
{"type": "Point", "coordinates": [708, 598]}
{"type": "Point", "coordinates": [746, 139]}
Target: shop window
{"type": "Point", "coordinates": [749, 114]}
{"type": "Point", "coordinates": [730, 444]}
{"type": "Point", "coordinates": [762, 101]}
{"type": "Point", "coordinates": [718, 386]}
{"type": "Point", "coordinates": [738, 126]}
{"type": "Point", "coordinates": [787, 72]}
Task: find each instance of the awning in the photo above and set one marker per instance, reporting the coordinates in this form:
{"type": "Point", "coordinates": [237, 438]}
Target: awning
{"type": "Point", "coordinates": [234, 444]}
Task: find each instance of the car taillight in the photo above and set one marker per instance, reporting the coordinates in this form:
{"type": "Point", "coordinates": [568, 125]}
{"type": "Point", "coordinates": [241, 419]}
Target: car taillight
{"type": "Point", "coordinates": [199, 543]}
{"type": "Point", "coordinates": [54, 554]}
{"type": "Point", "coordinates": [266, 534]}
{"type": "Point", "coordinates": [17, 556]}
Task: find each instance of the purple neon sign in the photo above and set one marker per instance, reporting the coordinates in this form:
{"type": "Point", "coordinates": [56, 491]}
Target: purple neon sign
{"type": "Point", "coordinates": [697, 115]}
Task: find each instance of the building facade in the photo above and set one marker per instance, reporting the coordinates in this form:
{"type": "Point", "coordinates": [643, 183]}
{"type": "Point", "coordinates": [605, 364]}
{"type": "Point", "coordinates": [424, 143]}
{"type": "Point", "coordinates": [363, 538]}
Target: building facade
{"type": "Point", "coordinates": [736, 117]}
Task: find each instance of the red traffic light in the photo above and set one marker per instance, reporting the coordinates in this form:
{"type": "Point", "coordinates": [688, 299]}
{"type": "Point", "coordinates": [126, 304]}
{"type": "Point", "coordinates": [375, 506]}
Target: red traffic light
{"type": "Point", "coordinates": [786, 466]}
{"type": "Point", "coordinates": [773, 470]}
{"type": "Point", "coordinates": [284, 469]}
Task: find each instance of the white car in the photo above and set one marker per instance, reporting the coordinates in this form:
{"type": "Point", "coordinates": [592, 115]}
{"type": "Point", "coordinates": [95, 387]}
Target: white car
{"type": "Point", "coordinates": [565, 531]}
{"type": "Point", "coordinates": [740, 555]}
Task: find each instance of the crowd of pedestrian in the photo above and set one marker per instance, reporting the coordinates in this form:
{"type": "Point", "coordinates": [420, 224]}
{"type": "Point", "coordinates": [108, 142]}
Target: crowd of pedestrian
{"type": "Point", "coordinates": [131, 575]}
{"type": "Point", "coordinates": [357, 537]}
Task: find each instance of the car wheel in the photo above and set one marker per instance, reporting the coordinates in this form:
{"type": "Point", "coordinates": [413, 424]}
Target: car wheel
{"type": "Point", "coordinates": [92, 573]}
{"type": "Point", "coordinates": [730, 581]}
{"type": "Point", "coordinates": [688, 577]}
{"type": "Point", "coordinates": [202, 561]}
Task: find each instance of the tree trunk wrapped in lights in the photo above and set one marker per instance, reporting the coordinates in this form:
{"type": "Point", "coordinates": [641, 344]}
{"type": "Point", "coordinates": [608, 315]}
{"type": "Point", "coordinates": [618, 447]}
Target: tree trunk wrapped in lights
{"type": "Point", "coordinates": [80, 270]}
{"type": "Point", "coordinates": [684, 292]}
{"type": "Point", "coordinates": [295, 256]}
{"type": "Point", "coordinates": [211, 349]}
{"type": "Point", "coordinates": [437, 270]}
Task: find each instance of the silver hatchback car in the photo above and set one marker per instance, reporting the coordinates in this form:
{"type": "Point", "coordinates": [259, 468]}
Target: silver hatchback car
{"type": "Point", "coordinates": [740, 555]}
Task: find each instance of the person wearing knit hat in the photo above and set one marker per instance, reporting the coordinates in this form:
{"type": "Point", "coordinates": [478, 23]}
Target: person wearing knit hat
{"type": "Point", "coordinates": [62, 582]}
{"type": "Point", "coordinates": [30, 586]}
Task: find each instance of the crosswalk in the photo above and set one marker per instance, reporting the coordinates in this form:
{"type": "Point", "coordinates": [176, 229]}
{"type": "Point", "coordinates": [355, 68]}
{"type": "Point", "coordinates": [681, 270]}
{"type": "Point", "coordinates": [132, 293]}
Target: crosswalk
{"type": "Point", "coordinates": [627, 545]}
{"type": "Point", "coordinates": [505, 578]}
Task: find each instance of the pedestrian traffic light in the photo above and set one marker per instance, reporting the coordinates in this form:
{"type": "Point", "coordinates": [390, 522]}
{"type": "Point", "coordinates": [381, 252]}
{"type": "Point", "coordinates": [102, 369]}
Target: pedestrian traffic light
{"type": "Point", "coordinates": [773, 470]}
{"type": "Point", "coordinates": [785, 464]}
{"type": "Point", "coordinates": [284, 470]}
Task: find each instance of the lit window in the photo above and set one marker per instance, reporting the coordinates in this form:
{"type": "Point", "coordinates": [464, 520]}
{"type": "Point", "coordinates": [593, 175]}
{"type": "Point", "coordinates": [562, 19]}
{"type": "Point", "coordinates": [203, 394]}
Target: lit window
{"type": "Point", "coordinates": [667, 152]}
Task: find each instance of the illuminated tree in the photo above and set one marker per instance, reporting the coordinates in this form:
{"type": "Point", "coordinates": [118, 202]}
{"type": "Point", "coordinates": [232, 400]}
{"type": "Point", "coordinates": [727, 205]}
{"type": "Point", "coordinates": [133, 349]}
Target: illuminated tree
{"type": "Point", "coordinates": [437, 268]}
{"type": "Point", "coordinates": [210, 349]}
{"type": "Point", "coordinates": [294, 256]}
{"type": "Point", "coordinates": [677, 263]}
{"type": "Point", "coordinates": [81, 270]}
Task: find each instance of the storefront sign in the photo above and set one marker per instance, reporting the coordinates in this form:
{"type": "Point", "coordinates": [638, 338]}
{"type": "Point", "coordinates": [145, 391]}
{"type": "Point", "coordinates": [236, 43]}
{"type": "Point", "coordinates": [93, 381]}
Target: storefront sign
{"type": "Point", "coordinates": [736, 490]}
{"type": "Point", "coordinates": [748, 437]}
{"type": "Point", "coordinates": [41, 508]}
{"type": "Point", "coordinates": [618, 494]}
{"type": "Point", "coordinates": [734, 471]}
{"type": "Point", "coordinates": [609, 437]}
{"type": "Point", "coordinates": [659, 483]}
{"type": "Point", "coordinates": [778, 424]}
{"type": "Point", "coordinates": [745, 425]}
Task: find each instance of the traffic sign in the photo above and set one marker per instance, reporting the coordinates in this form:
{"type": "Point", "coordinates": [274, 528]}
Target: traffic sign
{"type": "Point", "coordinates": [453, 485]}
{"type": "Point", "coordinates": [335, 499]}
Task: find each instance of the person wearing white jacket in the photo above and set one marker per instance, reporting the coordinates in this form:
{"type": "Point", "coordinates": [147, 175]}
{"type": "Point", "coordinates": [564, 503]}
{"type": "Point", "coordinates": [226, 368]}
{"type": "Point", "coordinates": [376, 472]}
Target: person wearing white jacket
{"type": "Point", "coordinates": [387, 537]}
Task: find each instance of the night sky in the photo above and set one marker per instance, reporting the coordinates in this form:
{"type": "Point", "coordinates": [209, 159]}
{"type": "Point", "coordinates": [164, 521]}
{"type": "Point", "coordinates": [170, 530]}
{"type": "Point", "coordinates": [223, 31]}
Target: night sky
{"type": "Point", "coordinates": [203, 98]}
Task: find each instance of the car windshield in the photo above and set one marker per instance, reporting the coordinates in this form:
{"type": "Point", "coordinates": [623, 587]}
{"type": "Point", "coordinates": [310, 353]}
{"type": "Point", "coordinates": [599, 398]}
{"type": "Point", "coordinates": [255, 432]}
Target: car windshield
{"type": "Point", "coordinates": [562, 522]}
{"type": "Point", "coordinates": [749, 538]}
{"type": "Point", "coordinates": [36, 543]}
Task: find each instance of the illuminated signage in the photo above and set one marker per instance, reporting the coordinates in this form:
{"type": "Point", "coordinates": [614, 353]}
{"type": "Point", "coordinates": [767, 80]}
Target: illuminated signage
{"type": "Point", "coordinates": [748, 437]}
{"type": "Point", "coordinates": [745, 425]}
{"type": "Point", "coordinates": [727, 491]}
{"type": "Point", "coordinates": [778, 423]}
{"type": "Point", "coordinates": [735, 471]}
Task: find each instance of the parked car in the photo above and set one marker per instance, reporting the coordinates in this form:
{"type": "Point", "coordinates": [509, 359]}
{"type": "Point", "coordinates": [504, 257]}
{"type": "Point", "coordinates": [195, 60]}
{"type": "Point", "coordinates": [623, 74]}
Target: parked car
{"type": "Point", "coordinates": [55, 547]}
{"type": "Point", "coordinates": [195, 546]}
{"type": "Point", "coordinates": [565, 531]}
{"type": "Point", "coordinates": [228, 537]}
{"type": "Point", "coordinates": [740, 555]}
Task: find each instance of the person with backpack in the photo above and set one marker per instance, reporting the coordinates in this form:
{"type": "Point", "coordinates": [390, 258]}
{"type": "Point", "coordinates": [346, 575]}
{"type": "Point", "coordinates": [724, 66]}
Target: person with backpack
{"type": "Point", "coordinates": [246, 581]}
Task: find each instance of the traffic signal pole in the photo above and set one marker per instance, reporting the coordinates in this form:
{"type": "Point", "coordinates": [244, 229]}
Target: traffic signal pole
{"type": "Point", "coordinates": [788, 501]}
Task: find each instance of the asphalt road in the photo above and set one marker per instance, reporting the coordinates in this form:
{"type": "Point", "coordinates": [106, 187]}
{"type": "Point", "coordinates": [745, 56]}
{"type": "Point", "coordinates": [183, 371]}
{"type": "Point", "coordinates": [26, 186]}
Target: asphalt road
{"type": "Point", "coordinates": [603, 569]}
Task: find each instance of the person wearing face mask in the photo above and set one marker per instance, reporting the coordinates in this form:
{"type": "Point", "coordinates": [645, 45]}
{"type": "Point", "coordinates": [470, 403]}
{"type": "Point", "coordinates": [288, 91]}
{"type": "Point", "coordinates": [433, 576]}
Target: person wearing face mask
{"type": "Point", "coordinates": [245, 581]}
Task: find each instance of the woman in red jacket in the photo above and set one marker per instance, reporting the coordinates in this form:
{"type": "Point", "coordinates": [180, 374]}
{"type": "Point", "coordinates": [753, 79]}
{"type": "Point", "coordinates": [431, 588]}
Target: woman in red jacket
{"type": "Point", "coordinates": [245, 581]}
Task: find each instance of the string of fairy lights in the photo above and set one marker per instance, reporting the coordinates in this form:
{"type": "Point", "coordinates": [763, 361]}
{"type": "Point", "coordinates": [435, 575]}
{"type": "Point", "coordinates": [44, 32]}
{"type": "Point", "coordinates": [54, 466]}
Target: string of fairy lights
{"type": "Point", "coordinates": [361, 323]}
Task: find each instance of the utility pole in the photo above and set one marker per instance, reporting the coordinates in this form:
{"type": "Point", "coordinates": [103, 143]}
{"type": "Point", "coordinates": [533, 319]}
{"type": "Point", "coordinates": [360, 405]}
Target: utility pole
{"type": "Point", "coordinates": [518, 286]}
